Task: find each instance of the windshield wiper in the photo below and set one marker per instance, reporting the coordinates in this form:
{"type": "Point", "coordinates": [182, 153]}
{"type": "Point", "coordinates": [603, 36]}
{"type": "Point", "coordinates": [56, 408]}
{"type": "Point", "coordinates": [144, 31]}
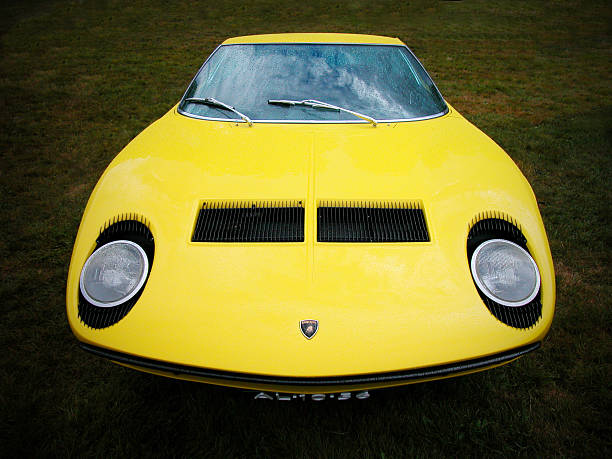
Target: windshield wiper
{"type": "Point", "coordinates": [318, 104]}
{"type": "Point", "coordinates": [215, 103]}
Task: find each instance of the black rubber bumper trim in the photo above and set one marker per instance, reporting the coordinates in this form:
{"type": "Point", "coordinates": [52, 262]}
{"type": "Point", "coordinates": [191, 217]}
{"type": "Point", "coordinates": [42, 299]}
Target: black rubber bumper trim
{"type": "Point", "coordinates": [404, 375]}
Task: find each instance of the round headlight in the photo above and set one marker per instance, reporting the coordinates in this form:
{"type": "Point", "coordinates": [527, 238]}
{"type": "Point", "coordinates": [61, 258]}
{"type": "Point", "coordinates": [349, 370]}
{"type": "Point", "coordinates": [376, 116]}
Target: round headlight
{"type": "Point", "coordinates": [505, 272]}
{"type": "Point", "coordinates": [114, 273]}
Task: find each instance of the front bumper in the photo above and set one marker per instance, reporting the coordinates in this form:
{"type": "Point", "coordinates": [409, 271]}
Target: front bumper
{"type": "Point", "coordinates": [311, 384]}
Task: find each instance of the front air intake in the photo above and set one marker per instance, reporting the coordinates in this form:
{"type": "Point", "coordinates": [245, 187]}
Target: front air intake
{"type": "Point", "coordinates": [371, 222]}
{"type": "Point", "coordinates": [248, 221]}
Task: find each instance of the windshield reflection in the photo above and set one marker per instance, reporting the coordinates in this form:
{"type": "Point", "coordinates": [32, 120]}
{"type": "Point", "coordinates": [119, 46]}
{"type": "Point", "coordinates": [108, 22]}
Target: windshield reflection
{"type": "Point", "coordinates": [386, 82]}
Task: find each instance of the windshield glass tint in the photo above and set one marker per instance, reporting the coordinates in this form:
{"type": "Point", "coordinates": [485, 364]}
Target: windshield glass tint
{"type": "Point", "coordinates": [384, 82]}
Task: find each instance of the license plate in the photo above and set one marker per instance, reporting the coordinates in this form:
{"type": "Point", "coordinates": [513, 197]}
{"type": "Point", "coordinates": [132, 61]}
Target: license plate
{"type": "Point", "coordinates": [315, 397]}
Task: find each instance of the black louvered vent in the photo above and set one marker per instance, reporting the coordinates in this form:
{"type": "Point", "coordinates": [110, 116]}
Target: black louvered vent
{"type": "Point", "coordinates": [128, 227]}
{"type": "Point", "coordinates": [495, 225]}
{"type": "Point", "coordinates": [274, 221]}
{"type": "Point", "coordinates": [371, 222]}
{"type": "Point", "coordinates": [517, 317]}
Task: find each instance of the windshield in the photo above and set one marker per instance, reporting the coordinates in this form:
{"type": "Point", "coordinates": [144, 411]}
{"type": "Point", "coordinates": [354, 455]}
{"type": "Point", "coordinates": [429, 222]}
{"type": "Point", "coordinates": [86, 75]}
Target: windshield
{"type": "Point", "coordinates": [383, 82]}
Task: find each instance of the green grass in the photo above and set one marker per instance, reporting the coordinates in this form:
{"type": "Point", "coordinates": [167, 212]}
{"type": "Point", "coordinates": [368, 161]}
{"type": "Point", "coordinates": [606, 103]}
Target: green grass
{"type": "Point", "coordinates": [79, 79]}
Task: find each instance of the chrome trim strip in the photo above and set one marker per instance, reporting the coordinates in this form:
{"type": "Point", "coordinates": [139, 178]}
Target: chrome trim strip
{"type": "Point", "coordinates": [422, 118]}
{"type": "Point", "coordinates": [400, 120]}
{"type": "Point", "coordinates": [404, 375]}
{"type": "Point", "coordinates": [197, 73]}
{"type": "Point", "coordinates": [427, 73]}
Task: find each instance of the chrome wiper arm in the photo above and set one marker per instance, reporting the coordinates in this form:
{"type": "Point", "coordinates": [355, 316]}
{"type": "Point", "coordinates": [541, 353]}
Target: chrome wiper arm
{"type": "Point", "coordinates": [318, 104]}
{"type": "Point", "coordinates": [215, 103]}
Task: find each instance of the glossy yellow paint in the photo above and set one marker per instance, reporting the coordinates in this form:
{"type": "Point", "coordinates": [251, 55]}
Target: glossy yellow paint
{"type": "Point", "coordinates": [381, 307]}
{"type": "Point", "coordinates": [314, 38]}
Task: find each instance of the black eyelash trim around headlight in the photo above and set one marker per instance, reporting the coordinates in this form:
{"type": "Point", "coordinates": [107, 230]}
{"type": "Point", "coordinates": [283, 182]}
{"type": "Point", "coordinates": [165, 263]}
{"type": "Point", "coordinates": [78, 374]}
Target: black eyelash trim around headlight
{"type": "Point", "coordinates": [130, 227]}
{"type": "Point", "coordinates": [99, 318]}
{"type": "Point", "coordinates": [496, 225]}
{"type": "Point", "coordinates": [518, 317]}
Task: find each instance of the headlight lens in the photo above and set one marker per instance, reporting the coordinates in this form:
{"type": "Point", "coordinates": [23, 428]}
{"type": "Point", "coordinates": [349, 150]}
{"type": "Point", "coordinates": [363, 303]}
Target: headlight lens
{"type": "Point", "coordinates": [505, 272]}
{"type": "Point", "coordinates": [114, 273]}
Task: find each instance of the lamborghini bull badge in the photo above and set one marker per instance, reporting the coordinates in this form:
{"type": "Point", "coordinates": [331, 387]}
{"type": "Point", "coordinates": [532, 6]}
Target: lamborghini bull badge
{"type": "Point", "coordinates": [309, 327]}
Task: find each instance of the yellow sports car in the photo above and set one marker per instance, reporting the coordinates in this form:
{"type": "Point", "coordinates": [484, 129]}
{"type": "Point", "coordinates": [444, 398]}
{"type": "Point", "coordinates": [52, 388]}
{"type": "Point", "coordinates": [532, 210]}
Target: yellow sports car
{"type": "Point", "coordinates": [311, 218]}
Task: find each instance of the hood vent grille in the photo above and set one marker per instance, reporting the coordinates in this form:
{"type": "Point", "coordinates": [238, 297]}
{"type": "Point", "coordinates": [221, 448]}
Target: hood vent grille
{"type": "Point", "coordinates": [371, 222]}
{"type": "Point", "coordinates": [240, 221]}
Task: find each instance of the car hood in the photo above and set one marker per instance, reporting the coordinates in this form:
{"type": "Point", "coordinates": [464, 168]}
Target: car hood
{"type": "Point", "coordinates": [380, 307]}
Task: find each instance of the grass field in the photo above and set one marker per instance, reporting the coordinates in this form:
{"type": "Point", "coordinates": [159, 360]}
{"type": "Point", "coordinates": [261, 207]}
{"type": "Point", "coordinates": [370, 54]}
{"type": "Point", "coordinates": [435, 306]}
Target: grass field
{"type": "Point", "coordinates": [79, 79]}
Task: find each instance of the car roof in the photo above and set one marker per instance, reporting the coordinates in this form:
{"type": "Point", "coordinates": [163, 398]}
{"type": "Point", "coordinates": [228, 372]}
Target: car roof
{"type": "Point", "coordinates": [315, 38]}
